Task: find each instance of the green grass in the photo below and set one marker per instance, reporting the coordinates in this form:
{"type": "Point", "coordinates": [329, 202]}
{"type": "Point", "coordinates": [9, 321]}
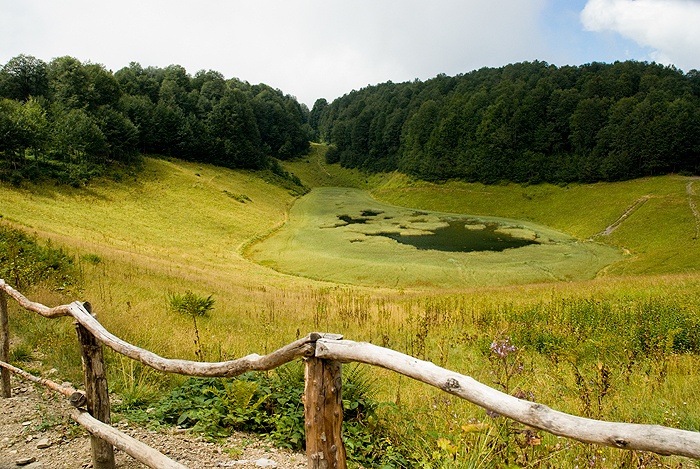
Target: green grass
{"type": "Point", "coordinates": [316, 244]}
{"type": "Point", "coordinates": [314, 172]}
{"type": "Point", "coordinates": [175, 228]}
{"type": "Point", "coordinates": [659, 235]}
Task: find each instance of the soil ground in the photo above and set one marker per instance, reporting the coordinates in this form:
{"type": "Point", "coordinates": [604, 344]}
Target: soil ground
{"type": "Point", "coordinates": [32, 415]}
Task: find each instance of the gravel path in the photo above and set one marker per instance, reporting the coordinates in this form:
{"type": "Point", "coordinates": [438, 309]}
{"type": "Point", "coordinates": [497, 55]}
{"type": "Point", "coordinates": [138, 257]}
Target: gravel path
{"type": "Point", "coordinates": [35, 430]}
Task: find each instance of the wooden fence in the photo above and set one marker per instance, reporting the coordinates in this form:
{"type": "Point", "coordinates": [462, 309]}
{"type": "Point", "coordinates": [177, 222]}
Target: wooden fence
{"type": "Point", "coordinates": [323, 355]}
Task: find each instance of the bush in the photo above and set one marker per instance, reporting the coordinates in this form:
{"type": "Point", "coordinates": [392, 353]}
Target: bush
{"type": "Point", "coordinates": [191, 304]}
{"type": "Point", "coordinates": [24, 262]}
{"type": "Point", "coordinates": [271, 404]}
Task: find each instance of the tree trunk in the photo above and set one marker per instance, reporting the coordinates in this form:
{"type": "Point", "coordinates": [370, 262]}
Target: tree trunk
{"type": "Point", "coordinates": [323, 414]}
{"type": "Point", "coordinates": [97, 394]}
{"type": "Point", "coordinates": [4, 345]}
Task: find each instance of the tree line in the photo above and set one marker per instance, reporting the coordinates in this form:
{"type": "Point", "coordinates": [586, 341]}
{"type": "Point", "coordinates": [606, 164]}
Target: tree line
{"type": "Point", "coordinates": [69, 120]}
{"type": "Point", "coordinates": [527, 122]}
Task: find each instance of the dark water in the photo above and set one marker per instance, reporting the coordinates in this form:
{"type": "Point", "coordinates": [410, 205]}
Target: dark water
{"type": "Point", "coordinates": [353, 221]}
{"type": "Point", "coordinates": [456, 238]}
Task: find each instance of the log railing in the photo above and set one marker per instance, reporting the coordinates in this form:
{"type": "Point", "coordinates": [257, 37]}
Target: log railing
{"type": "Point", "coordinates": [323, 354]}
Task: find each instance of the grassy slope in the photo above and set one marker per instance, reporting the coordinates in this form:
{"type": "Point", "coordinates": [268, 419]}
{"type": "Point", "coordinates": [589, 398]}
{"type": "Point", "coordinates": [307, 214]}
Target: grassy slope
{"type": "Point", "coordinates": [178, 226]}
{"type": "Point", "coordinates": [659, 234]}
{"type": "Point", "coordinates": [175, 228]}
{"type": "Point", "coordinates": [171, 211]}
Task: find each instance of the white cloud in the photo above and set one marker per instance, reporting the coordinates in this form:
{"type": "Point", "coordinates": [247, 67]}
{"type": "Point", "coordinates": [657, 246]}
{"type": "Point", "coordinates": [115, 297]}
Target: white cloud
{"type": "Point", "coordinates": [670, 27]}
{"type": "Point", "coordinates": [309, 48]}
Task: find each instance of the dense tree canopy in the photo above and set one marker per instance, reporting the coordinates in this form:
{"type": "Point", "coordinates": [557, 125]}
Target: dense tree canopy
{"type": "Point", "coordinates": [69, 120]}
{"type": "Point", "coordinates": [525, 122]}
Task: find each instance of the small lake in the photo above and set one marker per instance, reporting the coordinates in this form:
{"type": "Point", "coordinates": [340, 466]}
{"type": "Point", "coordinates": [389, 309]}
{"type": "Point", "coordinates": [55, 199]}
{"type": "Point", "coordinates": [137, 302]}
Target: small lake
{"type": "Point", "coordinates": [456, 237]}
{"type": "Point", "coordinates": [450, 234]}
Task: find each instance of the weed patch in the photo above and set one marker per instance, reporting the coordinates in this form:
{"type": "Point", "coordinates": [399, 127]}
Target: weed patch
{"type": "Point", "coordinates": [25, 262]}
{"type": "Point", "coordinates": [271, 404]}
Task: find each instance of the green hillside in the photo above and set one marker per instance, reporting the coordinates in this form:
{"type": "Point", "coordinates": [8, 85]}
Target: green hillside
{"type": "Point", "coordinates": [653, 220]}
{"type": "Point", "coordinates": [590, 346]}
{"type": "Point", "coordinates": [185, 226]}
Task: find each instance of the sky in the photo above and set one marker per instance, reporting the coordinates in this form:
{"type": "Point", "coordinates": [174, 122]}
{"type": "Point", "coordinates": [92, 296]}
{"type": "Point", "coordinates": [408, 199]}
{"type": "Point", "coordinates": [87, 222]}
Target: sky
{"type": "Point", "coordinates": [326, 48]}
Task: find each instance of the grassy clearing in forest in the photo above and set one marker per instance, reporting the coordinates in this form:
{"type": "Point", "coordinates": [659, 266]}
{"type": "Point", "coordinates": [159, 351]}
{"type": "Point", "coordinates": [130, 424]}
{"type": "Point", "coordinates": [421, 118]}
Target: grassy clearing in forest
{"type": "Point", "coordinates": [342, 235]}
{"type": "Point", "coordinates": [659, 233]}
{"type": "Point", "coordinates": [621, 347]}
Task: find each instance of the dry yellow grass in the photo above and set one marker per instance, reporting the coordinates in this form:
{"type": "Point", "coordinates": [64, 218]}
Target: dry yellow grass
{"type": "Point", "coordinates": [180, 226]}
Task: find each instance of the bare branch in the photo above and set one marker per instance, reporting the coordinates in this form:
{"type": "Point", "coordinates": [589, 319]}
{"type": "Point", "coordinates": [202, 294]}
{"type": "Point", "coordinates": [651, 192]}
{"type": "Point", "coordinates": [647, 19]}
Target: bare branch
{"type": "Point", "coordinates": [77, 398]}
{"type": "Point", "coordinates": [134, 448]}
{"type": "Point", "coordinates": [655, 438]}
{"type": "Point", "coordinates": [300, 348]}
{"type": "Point", "coordinates": [45, 311]}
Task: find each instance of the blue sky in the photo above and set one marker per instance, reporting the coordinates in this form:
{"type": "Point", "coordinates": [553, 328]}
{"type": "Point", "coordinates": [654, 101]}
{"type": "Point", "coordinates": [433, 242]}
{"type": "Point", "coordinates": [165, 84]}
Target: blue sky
{"type": "Point", "coordinates": [571, 44]}
{"type": "Point", "coordinates": [326, 48]}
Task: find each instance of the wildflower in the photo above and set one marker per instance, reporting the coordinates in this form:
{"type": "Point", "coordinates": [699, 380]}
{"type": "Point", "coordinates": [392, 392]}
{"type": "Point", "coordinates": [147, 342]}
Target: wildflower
{"type": "Point", "coordinates": [502, 347]}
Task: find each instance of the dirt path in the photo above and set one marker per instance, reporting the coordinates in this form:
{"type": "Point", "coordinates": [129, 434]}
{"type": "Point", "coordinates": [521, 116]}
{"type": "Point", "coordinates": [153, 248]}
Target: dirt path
{"type": "Point", "coordinates": [323, 167]}
{"type": "Point", "coordinates": [31, 419]}
{"type": "Point", "coordinates": [690, 191]}
{"type": "Point", "coordinates": [631, 209]}
{"type": "Point", "coordinates": [691, 202]}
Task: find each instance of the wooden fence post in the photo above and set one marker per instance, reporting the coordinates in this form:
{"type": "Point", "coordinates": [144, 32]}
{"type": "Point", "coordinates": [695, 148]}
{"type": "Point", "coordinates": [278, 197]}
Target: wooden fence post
{"type": "Point", "coordinates": [323, 413]}
{"type": "Point", "coordinates": [96, 392]}
{"type": "Point", "coordinates": [4, 344]}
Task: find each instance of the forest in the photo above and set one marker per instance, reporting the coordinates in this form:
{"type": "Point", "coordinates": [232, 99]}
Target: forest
{"type": "Point", "coordinates": [527, 122]}
{"type": "Point", "coordinates": [69, 121]}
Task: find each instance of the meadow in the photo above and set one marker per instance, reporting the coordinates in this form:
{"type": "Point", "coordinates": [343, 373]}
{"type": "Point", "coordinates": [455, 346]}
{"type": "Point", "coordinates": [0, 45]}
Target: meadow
{"type": "Point", "coordinates": [623, 344]}
{"type": "Point", "coordinates": [345, 236]}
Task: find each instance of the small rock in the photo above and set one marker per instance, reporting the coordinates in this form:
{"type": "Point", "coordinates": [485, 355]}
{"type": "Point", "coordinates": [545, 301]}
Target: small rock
{"type": "Point", "coordinates": [43, 443]}
{"type": "Point", "coordinates": [25, 461]}
{"type": "Point", "coordinates": [27, 423]}
{"type": "Point", "coordinates": [263, 462]}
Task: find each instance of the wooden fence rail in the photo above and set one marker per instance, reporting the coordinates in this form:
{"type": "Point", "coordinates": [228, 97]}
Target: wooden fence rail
{"type": "Point", "coordinates": [139, 451]}
{"type": "Point", "coordinates": [323, 354]}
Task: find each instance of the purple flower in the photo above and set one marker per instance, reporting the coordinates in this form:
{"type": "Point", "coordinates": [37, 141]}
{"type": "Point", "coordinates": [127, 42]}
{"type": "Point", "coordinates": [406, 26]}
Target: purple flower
{"type": "Point", "coordinates": [502, 347]}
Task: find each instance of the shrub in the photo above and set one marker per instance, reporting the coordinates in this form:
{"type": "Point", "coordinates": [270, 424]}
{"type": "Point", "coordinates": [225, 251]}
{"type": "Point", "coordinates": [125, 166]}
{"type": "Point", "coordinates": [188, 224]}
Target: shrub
{"type": "Point", "coordinates": [24, 262]}
{"type": "Point", "coordinates": [271, 404]}
{"type": "Point", "coordinates": [191, 304]}
{"type": "Point", "coordinates": [195, 306]}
